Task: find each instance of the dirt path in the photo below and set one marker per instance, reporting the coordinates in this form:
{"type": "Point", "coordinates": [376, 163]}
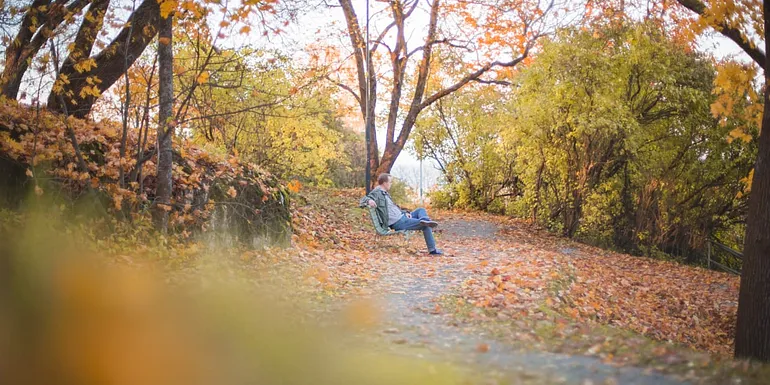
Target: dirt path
{"type": "Point", "coordinates": [415, 323]}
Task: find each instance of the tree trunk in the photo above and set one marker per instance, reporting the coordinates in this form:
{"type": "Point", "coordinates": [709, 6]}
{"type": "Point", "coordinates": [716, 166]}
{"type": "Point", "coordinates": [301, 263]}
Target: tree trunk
{"type": "Point", "coordinates": [111, 61]}
{"type": "Point", "coordinates": [752, 335]}
{"type": "Point", "coordinates": [165, 125]}
{"type": "Point", "coordinates": [36, 28]}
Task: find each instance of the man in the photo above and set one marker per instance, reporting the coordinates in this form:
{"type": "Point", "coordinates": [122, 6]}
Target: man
{"type": "Point", "coordinates": [395, 218]}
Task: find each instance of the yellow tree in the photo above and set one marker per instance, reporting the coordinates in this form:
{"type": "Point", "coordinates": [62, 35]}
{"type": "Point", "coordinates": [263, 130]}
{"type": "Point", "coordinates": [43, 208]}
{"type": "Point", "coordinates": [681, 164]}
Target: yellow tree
{"type": "Point", "coordinates": [743, 22]}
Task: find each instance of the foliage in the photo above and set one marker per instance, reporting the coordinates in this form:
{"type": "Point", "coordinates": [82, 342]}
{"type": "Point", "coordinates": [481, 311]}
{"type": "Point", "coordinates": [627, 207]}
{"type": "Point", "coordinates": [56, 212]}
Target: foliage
{"type": "Point", "coordinates": [654, 170]}
{"type": "Point", "coordinates": [348, 168]}
{"type": "Point", "coordinates": [609, 136]}
{"type": "Point", "coordinates": [203, 181]}
{"type": "Point", "coordinates": [255, 104]}
{"type": "Point", "coordinates": [468, 147]}
{"type": "Point", "coordinates": [401, 193]}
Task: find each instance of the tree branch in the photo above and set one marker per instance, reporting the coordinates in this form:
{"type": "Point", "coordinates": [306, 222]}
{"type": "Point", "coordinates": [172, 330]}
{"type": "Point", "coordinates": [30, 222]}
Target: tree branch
{"type": "Point", "coordinates": [732, 33]}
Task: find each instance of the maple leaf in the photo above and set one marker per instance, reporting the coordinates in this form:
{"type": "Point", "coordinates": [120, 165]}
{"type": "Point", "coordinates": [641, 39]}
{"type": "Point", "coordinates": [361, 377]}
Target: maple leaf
{"type": "Point", "coordinates": [166, 8]}
{"type": "Point", "coordinates": [203, 77]}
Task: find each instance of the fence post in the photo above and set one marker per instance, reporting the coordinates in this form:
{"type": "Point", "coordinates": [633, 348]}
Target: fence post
{"type": "Point", "coordinates": [708, 254]}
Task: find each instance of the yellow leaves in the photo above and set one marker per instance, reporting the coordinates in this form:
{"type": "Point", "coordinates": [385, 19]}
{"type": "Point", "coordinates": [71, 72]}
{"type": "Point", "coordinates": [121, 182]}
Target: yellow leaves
{"type": "Point", "coordinates": [85, 65]}
{"type": "Point", "coordinates": [12, 145]}
{"type": "Point", "coordinates": [38, 190]}
{"type": "Point", "coordinates": [231, 192]}
{"type": "Point", "coordinates": [245, 30]}
{"type": "Point", "coordinates": [192, 7]}
{"type": "Point", "coordinates": [167, 7]}
{"type": "Point", "coordinates": [739, 133]}
{"type": "Point", "coordinates": [29, 173]}
{"type": "Point", "coordinates": [89, 90]}
{"type": "Point", "coordinates": [737, 99]}
{"type": "Point", "coordinates": [148, 30]}
{"type": "Point", "coordinates": [58, 85]}
{"type": "Point", "coordinates": [203, 77]}
{"type": "Point", "coordinates": [747, 181]}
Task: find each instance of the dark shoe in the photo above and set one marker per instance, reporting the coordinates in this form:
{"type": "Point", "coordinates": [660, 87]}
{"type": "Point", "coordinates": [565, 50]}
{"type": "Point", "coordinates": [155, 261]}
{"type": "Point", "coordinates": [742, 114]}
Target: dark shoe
{"type": "Point", "coordinates": [436, 252]}
{"type": "Point", "coordinates": [429, 223]}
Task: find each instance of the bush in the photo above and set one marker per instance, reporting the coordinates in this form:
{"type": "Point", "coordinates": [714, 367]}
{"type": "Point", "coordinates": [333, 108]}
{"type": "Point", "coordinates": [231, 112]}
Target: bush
{"type": "Point", "coordinates": [35, 144]}
{"type": "Point", "coordinates": [401, 193]}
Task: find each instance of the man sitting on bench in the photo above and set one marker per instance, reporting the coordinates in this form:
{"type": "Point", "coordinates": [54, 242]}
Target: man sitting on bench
{"type": "Point", "coordinates": [395, 218]}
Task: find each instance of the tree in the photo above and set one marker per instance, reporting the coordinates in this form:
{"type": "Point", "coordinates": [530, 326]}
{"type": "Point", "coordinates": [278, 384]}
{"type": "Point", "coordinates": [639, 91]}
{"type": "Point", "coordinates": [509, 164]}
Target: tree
{"type": "Point", "coordinates": [461, 133]}
{"type": "Point", "coordinates": [607, 135]}
{"type": "Point", "coordinates": [739, 21]}
{"type": "Point", "coordinates": [83, 77]}
{"type": "Point", "coordinates": [616, 140]}
{"type": "Point", "coordinates": [752, 337]}
{"type": "Point", "coordinates": [166, 122]}
{"type": "Point", "coordinates": [257, 104]}
{"type": "Point", "coordinates": [39, 21]}
{"type": "Point", "coordinates": [521, 22]}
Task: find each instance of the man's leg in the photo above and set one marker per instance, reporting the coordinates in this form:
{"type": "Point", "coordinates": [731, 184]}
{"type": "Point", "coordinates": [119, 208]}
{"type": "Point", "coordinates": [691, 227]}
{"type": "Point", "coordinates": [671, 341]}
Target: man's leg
{"type": "Point", "coordinates": [416, 224]}
{"type": "Point", "coordinates": [420, 214]}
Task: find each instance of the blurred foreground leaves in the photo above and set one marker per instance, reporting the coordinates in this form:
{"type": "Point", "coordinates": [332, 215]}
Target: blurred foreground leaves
{"type": "Point", "coordinates": [69, 315]}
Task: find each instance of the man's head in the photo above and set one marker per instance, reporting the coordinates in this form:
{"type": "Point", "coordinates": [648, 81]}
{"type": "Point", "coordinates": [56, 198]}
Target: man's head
{"type": "Point", "coordinates": [385, 181]}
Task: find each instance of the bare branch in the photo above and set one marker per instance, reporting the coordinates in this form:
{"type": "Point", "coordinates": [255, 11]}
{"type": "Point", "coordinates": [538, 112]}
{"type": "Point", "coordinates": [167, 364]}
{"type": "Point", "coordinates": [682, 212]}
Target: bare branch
{"type": "Point", "coordinates": [344, 87]}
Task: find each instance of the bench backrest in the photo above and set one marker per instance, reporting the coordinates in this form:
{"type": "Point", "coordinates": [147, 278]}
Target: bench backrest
{"type": "Point", "coordinates": [380, 227]}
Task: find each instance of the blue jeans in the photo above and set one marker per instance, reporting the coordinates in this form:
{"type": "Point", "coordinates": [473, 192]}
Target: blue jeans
{"type": "Point", "coordinates": [413, 223]}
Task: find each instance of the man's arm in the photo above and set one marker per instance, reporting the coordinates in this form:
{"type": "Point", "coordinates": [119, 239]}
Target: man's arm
{"type": "Point", "coordinates": [367, 200]}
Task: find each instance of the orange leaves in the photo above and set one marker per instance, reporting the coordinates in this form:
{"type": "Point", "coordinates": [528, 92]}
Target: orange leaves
{"type": "Point", "coordinates": [663, 300]}
{"type": "Point", "coordinates": [43, 140]}
{"type": "Point", "coordinates": [294, 186]}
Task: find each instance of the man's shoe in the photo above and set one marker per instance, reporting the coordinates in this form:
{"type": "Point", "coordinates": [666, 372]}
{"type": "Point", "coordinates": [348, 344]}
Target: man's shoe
{"type": "Point", "coordinates": [428, 223]}
{"type": "Point", "coordinates": [436, 252]}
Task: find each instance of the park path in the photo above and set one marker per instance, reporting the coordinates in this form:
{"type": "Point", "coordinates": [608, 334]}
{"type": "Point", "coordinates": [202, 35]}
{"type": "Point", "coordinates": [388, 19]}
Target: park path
{"type": "Point", "coordinates": [414, 323]}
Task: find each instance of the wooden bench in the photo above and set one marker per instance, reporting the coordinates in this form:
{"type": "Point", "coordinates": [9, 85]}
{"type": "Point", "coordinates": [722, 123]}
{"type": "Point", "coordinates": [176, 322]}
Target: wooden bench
{"type": "Point", "coordinates": [384, 231]}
